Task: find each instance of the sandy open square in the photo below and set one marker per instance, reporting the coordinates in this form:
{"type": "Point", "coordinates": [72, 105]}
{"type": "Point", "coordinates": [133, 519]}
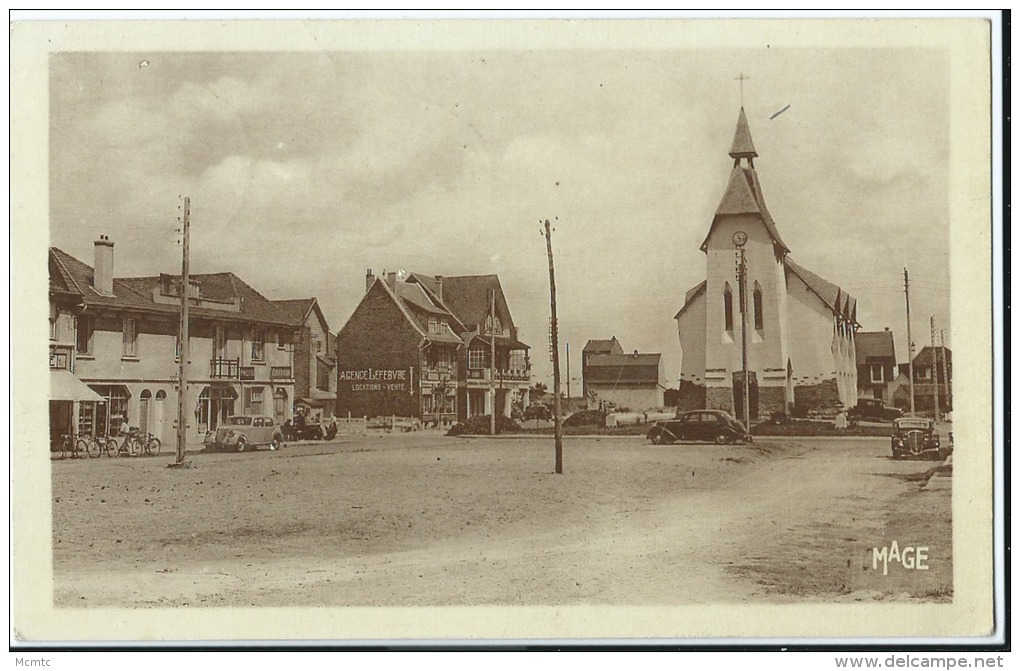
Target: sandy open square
{"type": "Point", "coordinates": [424, 519]}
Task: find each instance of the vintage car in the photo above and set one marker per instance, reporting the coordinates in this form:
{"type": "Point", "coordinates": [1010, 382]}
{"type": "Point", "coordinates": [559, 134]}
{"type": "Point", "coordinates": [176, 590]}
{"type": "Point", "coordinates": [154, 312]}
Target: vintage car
{"type": "Point", "coordinates": [873, 410]}
{"type": "Point", "coordinates": [241, 433]}
{"type": "Point", "coordinates": [916, 437]}
{"type": "Point", "coordinates": [712, 425]}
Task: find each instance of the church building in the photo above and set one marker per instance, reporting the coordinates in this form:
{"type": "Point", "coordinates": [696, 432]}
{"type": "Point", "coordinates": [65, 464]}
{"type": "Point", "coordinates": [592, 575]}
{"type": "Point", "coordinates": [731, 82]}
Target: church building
{"type": "Point", "coordinates": [800, 327]}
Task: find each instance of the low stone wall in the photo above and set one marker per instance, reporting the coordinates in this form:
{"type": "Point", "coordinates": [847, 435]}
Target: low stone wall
{"type": "Point", "coordinates": [771, 400]}
{"type": "Point", "coordinates": [719, 398]}
{"type": "Point", "coordinates": [690, 396]}
{"type": "Point", "coordinates": [817, 400]}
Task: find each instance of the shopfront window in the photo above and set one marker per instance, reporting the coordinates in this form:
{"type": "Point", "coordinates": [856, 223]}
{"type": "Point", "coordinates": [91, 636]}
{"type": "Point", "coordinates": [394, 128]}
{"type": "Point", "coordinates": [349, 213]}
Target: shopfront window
{"type": "Point", "coordinates": [109, 415]}
{"type": "Point", "coordinates": [280, 404]}
{"type": "Point", "coordinates": [255, 400]}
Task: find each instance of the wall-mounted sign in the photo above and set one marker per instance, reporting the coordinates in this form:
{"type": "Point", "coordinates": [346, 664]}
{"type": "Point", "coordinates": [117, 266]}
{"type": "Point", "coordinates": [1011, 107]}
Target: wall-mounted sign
{"type": "Point", "coordinates": [372, 379]}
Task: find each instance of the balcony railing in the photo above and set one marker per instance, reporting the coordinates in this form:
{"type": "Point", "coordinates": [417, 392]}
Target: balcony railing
{"type": "Point", "coordinates": [505, 374]}
{"type": "Point", "coordinates": [280, 373]}
{"type": "Point", "coordinates": [224, 369]}
{"type": "Point", "coordinates": [441, 372]}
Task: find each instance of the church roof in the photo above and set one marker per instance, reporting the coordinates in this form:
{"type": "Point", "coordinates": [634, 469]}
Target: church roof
{"type": "Point", "coordinates": [691, 294]}
{"type": "Point", "coordinates": [837, 300]}
{"type": "Point", "coordinates": [742, 144]}
{"type": "Point", "coordinates": [743, 193]}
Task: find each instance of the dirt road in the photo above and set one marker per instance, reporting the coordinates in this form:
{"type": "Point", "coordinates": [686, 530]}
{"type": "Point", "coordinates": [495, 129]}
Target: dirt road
{"type": "Point", "coordinates": [421, 519]}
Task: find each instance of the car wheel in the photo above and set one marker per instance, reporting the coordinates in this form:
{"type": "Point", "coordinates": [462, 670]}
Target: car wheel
{"type": "Point", "coordinates": [277, 443]}
{"type": "Point", "coordinates": [242, 445]}
{"type": "Point", "coordinates": [657, 438]}
{"type": "Point", "coordinates": [723, 438]}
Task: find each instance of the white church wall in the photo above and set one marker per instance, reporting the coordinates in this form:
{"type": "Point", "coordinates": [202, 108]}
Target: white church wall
{"type": "Point", "coordinates": [811, 322]}
{"type": "Point", "coordinates": [692, 331]}
{"type": "Point", "coordinates": [766, 351]}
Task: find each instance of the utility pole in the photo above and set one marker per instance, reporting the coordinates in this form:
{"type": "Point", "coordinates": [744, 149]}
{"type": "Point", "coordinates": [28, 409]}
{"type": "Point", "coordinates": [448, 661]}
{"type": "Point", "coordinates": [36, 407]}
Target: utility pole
{"type": "Point", "coordinates": [558, 430]}
{"type": "Point", "coordinates": [945, 369]}
{"type": "Point", "coordinates": [910, 342]}
{"type": "Point", "coordinates": [492, 360]}
{"type": "Point", "coordinates": [568, 373]}
{"type": "Point", "coordinates": [935, 368]}
{"type": "Point", "coordinates": [742, 288]}
{"type": "Point", "coordinates": [182, 375]}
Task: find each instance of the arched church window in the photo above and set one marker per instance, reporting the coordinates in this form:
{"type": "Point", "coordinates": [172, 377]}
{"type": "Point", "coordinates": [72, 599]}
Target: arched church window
{"type": "Point", "coordinates": [728, 307]}
{"type": "Point", "coordinates": [759, 310]}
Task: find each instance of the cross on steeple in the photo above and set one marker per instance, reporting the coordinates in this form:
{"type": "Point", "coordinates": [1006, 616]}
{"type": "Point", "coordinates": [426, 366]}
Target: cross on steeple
{"type": "Point", "coordinates": [741, 78]}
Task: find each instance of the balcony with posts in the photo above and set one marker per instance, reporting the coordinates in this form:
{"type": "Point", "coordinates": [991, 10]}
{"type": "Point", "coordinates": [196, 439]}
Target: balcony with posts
{"type": "Point", "coordinates": [224, 369]}
{"type": "Point", "coordinates": [501, 375]}
{"type": "Point", "coordinates": [439, 372]}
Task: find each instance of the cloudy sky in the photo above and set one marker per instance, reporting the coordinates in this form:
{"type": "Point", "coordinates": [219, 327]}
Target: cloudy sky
{"type": "Point", "coordinates": [304, 169]}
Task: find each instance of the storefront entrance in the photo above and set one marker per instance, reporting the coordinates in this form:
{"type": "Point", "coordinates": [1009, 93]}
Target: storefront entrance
{"type": "Point", "coordinates": [215, 404]}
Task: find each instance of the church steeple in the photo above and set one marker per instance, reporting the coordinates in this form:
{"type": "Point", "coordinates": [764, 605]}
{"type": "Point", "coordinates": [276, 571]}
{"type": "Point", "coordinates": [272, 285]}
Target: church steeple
{"type": "Point", "coordinates": [743, 193]}
{"type": "Point", "coordinates": [742, 147]}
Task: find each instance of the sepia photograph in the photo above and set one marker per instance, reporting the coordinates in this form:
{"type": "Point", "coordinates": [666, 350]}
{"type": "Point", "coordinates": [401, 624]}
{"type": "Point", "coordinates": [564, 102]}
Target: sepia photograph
{"type": "Point", "coordinates": [416, 330]}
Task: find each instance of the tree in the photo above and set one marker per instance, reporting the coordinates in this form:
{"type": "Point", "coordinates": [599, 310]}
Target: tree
{"type": "Point", "coordinates": [539, 389]}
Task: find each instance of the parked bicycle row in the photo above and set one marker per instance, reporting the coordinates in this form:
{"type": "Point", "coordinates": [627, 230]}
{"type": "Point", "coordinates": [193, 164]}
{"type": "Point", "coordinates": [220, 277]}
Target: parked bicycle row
{"type": "Point", "coordinates": [131, 445]}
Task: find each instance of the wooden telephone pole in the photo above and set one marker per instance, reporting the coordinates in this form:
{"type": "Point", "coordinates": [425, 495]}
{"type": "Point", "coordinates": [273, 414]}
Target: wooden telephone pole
{"type": "Point", "coordinates": [568, 375]}
{"type": "Point", "coordinates": [945, 370]}
{"type": "Point", "coordinates": [742, 290]}
{"type": "Point", "coordinates": [935, 368]}
{"type": "Point", "coordinates": [910, 341]}
{"type": "Point", "coordinates": [558, 430]}
{"type": "Point", "coordinates": [492, 361]}
{"type": "Point", "coordinates": [182, 375]}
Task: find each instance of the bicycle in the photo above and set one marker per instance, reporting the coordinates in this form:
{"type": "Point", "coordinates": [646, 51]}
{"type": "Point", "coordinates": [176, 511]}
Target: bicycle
{"type": "Point", "coordinates": [136, 446]}
{"type": "Point", "coordinates": [147, 447]}
{"type": "Point", "coordinates": [96, 446]}
{"type": "Point", "coordinates": [69, 443]}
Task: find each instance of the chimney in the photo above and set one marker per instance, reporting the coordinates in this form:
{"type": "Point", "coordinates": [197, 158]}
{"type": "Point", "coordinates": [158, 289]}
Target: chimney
{"type": "Point", "coordinates": [391, 279]}
{"type": "Point", "coordinates": [439, 286]}
{"type": "Point", "coordinates": [886, 329]}
{"type": "Point", "coordinates": [369, 279]}
{"type": "Point", "coordinates": [103, 267]}
{"type": "Point", "coordinates": [635, 354]}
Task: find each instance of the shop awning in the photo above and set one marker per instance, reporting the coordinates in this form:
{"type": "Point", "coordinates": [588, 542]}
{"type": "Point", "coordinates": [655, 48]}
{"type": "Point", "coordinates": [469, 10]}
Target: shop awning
{"type": "Point", "coordinates": [64, 386]}
{"type": "Point", "coordinates": [310, 402]}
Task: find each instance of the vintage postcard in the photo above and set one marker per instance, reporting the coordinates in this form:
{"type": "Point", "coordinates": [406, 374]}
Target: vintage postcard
{"type": "Point", "coordinates": [490, 330]}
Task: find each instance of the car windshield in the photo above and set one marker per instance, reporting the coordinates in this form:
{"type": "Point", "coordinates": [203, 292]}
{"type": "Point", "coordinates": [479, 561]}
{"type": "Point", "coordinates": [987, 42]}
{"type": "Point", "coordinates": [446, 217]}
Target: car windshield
{"type": "Point", "coordinates": [239, 421]}
{"type": "Point", "coordinates": [913, 423]}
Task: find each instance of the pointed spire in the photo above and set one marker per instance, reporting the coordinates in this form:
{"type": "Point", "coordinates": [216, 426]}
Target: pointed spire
{"type": "Point", "coordinates": [742, 147]}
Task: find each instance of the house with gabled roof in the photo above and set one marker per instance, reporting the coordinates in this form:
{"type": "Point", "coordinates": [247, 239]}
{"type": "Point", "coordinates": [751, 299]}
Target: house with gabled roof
{"type": "Point", "coordinates": [121, 337]}
{"type": "Point", "coordinates": [800, 327]}
{"type": "Point", "coordinates": [876, 364]}
{"type": "Point", "coordinates": [611, 378]}
{"type": "Point", "coordinates": [314, 358]}
{"type": "Point", "coordinates": [421, 346]}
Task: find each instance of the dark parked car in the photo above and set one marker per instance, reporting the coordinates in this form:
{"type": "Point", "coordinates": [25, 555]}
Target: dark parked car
{"type": "Point", "coordinates": [712, 425]}
{"type": "Point", "coordinates": [241, 433]}
{"type": "Point", "coordinates": [873, 410]}
{"type": "Point", "coordinates": [917, 437]}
